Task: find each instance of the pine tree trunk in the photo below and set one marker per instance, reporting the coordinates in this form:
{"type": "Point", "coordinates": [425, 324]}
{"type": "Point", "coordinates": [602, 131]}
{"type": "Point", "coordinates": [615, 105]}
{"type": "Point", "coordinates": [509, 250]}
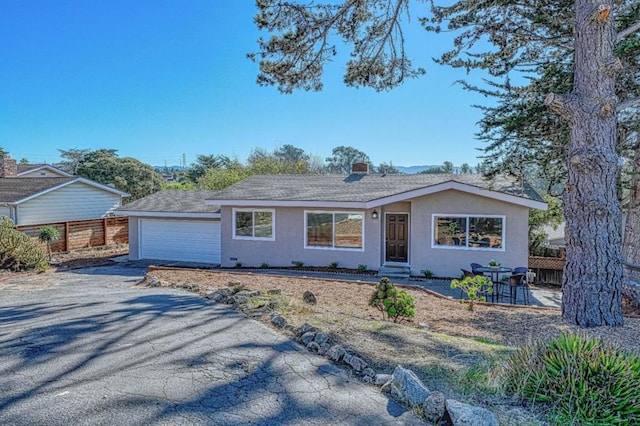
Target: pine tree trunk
{"type": "Point", "coordinates": [631, 246]}
{"type": "Point", "coordinates": [592, 283]}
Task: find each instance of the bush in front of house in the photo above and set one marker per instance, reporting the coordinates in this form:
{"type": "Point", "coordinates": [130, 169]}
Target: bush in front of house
{"type": "Point", "coordinates": [393, 303]}
{"type": "Point", "coordinates": [584, 380]}
{"type": "Point", "coordinates": [17, 251]}
{"type": "Point", "coordinates": [475, 288]}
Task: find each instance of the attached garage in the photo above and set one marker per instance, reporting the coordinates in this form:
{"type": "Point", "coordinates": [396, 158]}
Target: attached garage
{"type": "Point", "coordinates": [174, 226]}
{"type": "Point", "coordinates": [179, 240]}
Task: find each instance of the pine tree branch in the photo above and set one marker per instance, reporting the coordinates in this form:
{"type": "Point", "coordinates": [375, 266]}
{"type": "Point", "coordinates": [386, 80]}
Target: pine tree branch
{"type": "Point", "coordinates": [628, 104]}
{"type": "Point", "coordinates": [627, 31]}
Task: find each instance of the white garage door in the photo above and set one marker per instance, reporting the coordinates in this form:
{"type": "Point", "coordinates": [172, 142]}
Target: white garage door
{"type": "Point", "coordinates": [180, 240]}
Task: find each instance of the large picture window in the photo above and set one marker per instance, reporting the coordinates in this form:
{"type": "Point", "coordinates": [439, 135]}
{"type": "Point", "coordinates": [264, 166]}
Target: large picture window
{"type": "Point", "coordinates": [335, 230]}
{"type": "Point", "coordinates": [253, 224]}
{"type": "Point", "coordinates": [466, 231]}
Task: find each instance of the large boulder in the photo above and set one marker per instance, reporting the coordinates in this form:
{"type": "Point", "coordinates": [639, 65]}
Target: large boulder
{"type": "Point", "coordinates": [462, 414]}
{"type": "Point", "coordinates": [407, 387]}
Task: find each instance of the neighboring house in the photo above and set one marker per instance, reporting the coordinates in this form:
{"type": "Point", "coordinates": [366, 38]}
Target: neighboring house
{"type": "Point", "coordinates": [39, 170]}
{"type": "Point", "coordinates": [174, 225]}
{"type": "Point", "coordinates": [425, 221]}
{"type": "Point", "coordinates": [35, 194]}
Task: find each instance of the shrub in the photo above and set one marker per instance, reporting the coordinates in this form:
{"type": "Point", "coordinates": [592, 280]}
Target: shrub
{"type": "Point", "coordinates": [298, 263]}
{"type": "Point", "coordinates": [264, 265]}
{"type": "Point", "coordinates": [362, 268]}
{"type": "Point", "coordinates": [584, 380]}
{"type": "Point", "coordinates": [334, 265]}
{"type": "Point", "coordinates": [238, 265]}
{"type": "Point", "coordinates": [48, 234]}
{"type": "Point", "coordinates": [396, 304]}
{"type": "Point", "coordinates": [427, 273]}
{"type": "Point", "coordinates": [17, 251]}
{"type": "Point", "coordinates": [474, 287]}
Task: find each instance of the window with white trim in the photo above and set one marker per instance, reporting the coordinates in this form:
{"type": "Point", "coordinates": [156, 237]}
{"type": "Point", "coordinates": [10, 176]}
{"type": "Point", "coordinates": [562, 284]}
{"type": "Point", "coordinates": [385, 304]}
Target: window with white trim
{"type": "Point", "coordinates": [334, 230]}
{"type": "Point", "coordinates": [469, 232]}
{"type": "Point", "coordinates": [253, 224]}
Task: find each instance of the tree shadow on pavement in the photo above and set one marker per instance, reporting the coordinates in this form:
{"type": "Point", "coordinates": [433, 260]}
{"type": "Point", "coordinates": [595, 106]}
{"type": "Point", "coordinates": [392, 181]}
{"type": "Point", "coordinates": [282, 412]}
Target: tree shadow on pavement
{"type": "Point", "coordinates": [165, 357]}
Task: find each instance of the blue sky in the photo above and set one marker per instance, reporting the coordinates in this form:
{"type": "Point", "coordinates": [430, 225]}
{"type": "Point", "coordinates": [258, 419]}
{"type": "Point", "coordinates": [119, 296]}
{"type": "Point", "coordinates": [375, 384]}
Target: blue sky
{"type": "Point", "coordinates": [159, 79]}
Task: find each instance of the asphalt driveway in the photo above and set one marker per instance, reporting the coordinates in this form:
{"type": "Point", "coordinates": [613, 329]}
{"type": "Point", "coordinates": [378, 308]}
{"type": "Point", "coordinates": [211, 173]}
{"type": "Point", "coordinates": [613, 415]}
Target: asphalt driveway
{"type": "Point", "coordinates": [86, 348]}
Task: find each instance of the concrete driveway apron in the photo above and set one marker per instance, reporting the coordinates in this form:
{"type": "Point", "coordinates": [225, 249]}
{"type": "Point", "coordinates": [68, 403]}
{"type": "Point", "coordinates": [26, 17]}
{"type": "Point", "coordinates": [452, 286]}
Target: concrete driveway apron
{"type": "Point", "coordinates": [84, 347]}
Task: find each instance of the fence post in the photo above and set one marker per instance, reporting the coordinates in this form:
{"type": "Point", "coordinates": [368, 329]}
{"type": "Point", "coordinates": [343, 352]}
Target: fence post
{"type": "Point", "coordinates": [66, 236]}
{"type": "Point", "coordinates": [104, 229]}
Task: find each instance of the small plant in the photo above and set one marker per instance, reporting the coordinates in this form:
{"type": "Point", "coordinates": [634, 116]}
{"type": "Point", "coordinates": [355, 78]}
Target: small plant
{"type": "Point", "coordinates": [428, 274]}
{"type": "Point", "coordinates": [395, 304]}
{"type": "Point", "coordinates": [494, 263]}
{"type": "Point", "coordinates": [298, 263]}
{"type": "Point", "coordinates": [585, 380]}
{"type": "Point", "coordinates": [238, 265]}
{"type": "Point", "coordinates": [236, 287]}
{"type": "Point", "coordinates": [334, 265]}
{"type": "Point", "coordinates": [362, 268]}
{"type": "Point", "coordinates": [48, 234]}
{"type": "Point", "coordinates": [475, 288]}
{"type": "Point", "coordinates": [264, 265]}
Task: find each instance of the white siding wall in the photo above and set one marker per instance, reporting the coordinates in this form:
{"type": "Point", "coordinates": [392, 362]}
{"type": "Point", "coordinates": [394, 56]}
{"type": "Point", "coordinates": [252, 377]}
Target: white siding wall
{"type": "Point", "coordinates": [73, 202]}
{"type": "Point", "coordinates": [6, 211]}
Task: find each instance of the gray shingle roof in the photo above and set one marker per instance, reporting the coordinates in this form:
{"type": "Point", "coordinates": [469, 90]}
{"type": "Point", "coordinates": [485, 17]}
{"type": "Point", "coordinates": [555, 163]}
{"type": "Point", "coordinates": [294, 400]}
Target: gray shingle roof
{"type": "Point", "coordinates": [16, 189]}
{"type": "Point", "coordinates": [359, 188]}
{"type": "Point", "coordinates": [173, 201]}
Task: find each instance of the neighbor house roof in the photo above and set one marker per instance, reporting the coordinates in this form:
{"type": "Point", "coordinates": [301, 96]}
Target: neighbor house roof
{"type": "Point", "coordinates": [19, 190]}
{"type": "Point", "coordinates": [26, 168]}
{"type": "Point", "coordinates": [172, 203]}
{"type": "Point", "coordinates": [367, 190]}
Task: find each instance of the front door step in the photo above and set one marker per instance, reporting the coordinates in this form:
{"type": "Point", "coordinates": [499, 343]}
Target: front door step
{"type": "Point", "coordinates": [393, 271]}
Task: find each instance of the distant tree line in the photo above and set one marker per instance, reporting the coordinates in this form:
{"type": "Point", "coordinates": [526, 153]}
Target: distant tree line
{"type": "Point", "coordinates": [214, 172]}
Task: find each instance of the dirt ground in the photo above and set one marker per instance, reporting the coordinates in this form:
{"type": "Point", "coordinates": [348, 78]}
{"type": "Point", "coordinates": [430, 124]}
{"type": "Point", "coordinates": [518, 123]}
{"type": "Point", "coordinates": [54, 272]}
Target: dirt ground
{"type": "Point", "coordinates": [507, 325]}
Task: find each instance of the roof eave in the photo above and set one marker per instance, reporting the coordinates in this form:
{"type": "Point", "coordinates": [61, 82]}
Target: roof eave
{"type": "Point", "coordinates": [286, 203]}
{"type": "Point", "coordinates": [458, 186]}
{"type": "Point", "coordinates": [176, 215]}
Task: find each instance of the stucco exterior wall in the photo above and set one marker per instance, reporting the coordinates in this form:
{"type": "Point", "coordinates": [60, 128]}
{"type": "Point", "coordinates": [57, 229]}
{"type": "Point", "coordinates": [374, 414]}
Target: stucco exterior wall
{"type": "Point", "coordinates": [448, 261]}
{"type": "Point", "coordinates": [288, 245]}
{"type": "Point", "coordinates": [75, 201]}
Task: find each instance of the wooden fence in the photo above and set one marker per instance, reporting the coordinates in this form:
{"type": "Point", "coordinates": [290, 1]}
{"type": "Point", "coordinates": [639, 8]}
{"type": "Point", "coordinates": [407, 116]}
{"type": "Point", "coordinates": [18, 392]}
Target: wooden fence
{"type": "Point", "coordinates": [548, 269]}
{"type": "Point", "coordinates": [84, 233]}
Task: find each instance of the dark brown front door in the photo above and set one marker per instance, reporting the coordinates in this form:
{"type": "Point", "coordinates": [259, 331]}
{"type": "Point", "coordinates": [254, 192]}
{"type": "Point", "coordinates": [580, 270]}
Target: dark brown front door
{"type": "Point", "coordinates": [397, 237]}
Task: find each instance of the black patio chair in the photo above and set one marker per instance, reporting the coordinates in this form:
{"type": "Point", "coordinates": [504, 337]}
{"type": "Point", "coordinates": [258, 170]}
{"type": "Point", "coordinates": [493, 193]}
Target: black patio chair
{"type": "Point", "coordinates": [518, 281]}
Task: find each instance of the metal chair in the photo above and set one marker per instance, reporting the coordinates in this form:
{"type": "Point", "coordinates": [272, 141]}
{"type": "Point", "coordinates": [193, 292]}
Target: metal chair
{"type": "Point", "coordinates": [474, 267]}
{"type": "Point", "coordinates": [515, 281]}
